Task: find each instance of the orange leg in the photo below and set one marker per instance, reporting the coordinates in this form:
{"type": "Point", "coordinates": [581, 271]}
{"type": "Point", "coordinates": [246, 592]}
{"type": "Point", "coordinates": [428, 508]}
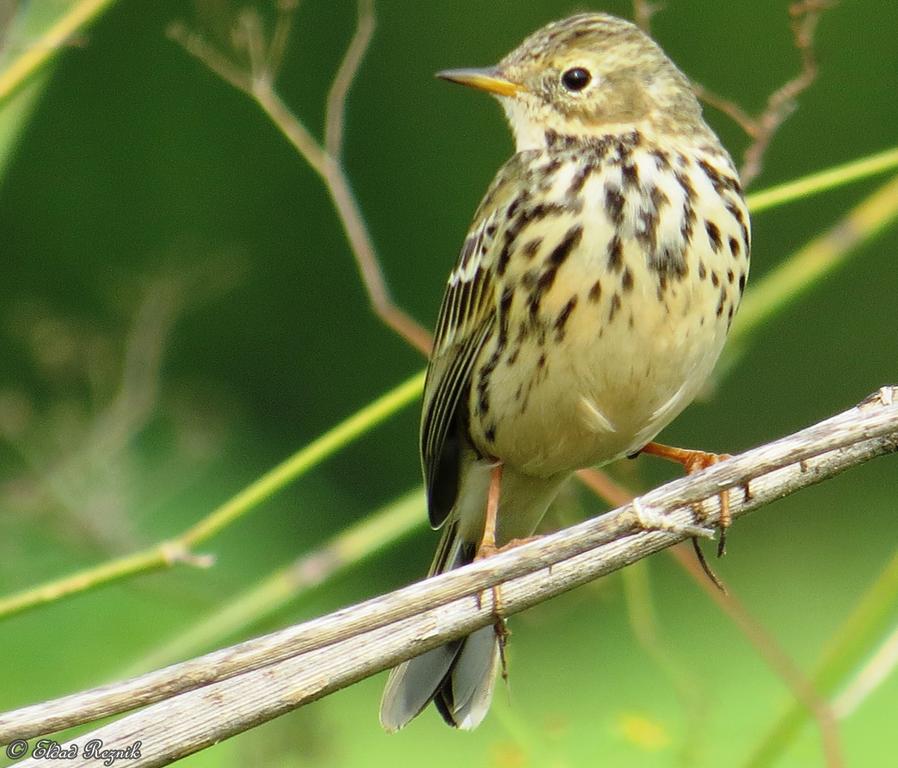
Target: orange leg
{"type": "Point", "coordinates": [694, 461]}
{"type": "Point", "coordinates": [488, 540]}
{"type": "Point", "coordinates": [488, 544]}
{"type": "Point", "coordinates": [487, 548]}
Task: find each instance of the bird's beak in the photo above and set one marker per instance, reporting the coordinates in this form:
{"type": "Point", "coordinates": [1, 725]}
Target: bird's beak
{"type": "Point", "coordinates": [488, 79]}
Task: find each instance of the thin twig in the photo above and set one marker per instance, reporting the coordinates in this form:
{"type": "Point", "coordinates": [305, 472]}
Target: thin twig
{"type": "Point", "coordinates": [346, 74]}
{"type": "Point", "coordinates": [731, 109]}
{"type": "Point", "coordinates": [236, 688]}
{"type": "Point", "coordinates": [258, 86]}
{"type": "Point", "coordinates": [283, 27]}
{"type": "Point", "coordinates": [804, 17]}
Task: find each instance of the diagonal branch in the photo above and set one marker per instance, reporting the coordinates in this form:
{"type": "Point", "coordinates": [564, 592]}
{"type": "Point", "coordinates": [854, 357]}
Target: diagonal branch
{"type": "Point", "coordinates": [228, 691]}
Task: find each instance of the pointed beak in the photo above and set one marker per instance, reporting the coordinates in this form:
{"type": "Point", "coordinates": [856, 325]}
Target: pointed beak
{"type": "Point", "coordinates": [488, 79]}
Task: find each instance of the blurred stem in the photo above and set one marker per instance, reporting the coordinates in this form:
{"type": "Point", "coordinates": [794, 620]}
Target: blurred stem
{"type": "Point", "coordinates": [179, 550]}
{"type": "Point", "coordinates": [863, 628]}
{"type": "Point", "coordinates": [530, 743]}
{"type": "Point", "coordinates": [325, 446]}
{"type": "Point", "coordinates": [343, 550]}
{"type": "Point", "coordinates": [875, 671]}
{"type": "Point", "coordinates": [643, 620]}
{"type": "Point", "coordinates": [815, 260]}
{"type": "Point", "coordinates": [823, 181]}
{"type": "Point", "coordinates": [781, 664]}
{"type": "Point", "coordinates": [41, 51]}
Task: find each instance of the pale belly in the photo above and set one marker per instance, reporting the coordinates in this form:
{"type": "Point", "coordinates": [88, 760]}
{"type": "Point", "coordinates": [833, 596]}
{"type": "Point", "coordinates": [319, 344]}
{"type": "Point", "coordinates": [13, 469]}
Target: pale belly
{"type": "Point", "coordinates": [622, 369]}
{"type": "Point", "coordinates": [612, 322]}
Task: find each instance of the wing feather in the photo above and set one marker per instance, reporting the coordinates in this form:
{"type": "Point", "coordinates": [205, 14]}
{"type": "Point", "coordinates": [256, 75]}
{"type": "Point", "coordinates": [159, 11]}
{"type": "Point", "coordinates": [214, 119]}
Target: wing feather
{"type": "Point", "coordinates": [467, 316]}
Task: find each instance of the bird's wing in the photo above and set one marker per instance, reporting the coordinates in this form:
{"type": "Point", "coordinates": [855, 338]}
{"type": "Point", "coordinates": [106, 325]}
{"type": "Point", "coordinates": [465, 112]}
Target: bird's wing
{"type": "Point", "coordinates": [467, 315]}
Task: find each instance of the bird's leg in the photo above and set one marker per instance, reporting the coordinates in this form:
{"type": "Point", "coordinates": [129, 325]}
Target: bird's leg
{"type": "Point", "coordinates": [502, 635]}
{"type": "Point", "coordinates": [488, 539]}
{"type": "Point", "coordinates": [488, 544]}
{"type": "Point", "coordinates": [488, 547]}
{"type": "Point", "coordinates": [694, 461]}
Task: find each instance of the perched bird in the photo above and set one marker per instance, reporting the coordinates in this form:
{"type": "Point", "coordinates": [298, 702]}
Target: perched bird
{"type": "Point", "coordinates": [590, 302]}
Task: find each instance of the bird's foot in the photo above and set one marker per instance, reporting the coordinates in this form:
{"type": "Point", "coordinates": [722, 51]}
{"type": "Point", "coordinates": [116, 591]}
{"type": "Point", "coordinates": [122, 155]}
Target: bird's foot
{"type": "Point", "coordinates": [695, 461]}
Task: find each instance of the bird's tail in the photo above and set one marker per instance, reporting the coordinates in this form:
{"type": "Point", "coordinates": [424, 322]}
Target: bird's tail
{"type": "Point", "coordinates": [458, 677]}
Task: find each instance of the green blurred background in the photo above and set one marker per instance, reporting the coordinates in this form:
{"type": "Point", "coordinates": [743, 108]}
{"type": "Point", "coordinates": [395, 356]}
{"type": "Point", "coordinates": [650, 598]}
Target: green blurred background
{"type": "Point", "coordinates": [181, 311]}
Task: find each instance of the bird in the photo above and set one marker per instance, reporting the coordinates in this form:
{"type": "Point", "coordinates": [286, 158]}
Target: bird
{"type": "Point", "coordinates": [588, 306]}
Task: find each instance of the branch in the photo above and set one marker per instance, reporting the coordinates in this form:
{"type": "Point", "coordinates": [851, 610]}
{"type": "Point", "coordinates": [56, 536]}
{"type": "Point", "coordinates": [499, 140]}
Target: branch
{"type": "Point", "coordinates": [346, 74]}
{"type": "Point", "coordinates": [227, 691]}
{"type": "Point", "coordinates": [324, 159]}
{"type": "Point", "coordinates": [804, 16]}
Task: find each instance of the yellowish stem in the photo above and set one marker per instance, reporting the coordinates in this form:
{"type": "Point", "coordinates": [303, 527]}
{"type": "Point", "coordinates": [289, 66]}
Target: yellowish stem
{"type": "Point", "coordinates": [42, 50]}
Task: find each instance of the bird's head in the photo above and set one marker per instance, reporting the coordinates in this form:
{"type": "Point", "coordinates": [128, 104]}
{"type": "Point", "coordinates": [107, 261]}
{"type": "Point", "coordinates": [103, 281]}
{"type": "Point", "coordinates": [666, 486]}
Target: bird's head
{"type": "Point", "coordinates": [589, 75]}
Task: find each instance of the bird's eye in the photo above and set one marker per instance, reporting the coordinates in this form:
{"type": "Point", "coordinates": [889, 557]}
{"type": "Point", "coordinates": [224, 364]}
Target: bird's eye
{"type": "Point", "coordinates": [576, 79]}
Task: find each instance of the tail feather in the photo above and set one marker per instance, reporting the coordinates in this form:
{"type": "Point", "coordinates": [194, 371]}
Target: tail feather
{"type": "Point", "coordinates": [413, 684]}
{"type": "Point", "coordinates": [464, 697]}
{"type": "Point", "coordinates": [458, 677]}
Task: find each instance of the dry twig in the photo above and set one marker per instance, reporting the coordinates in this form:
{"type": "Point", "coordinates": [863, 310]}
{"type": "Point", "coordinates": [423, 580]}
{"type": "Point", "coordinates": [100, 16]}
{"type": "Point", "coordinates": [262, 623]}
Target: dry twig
{"type": "Point", "coordinates": [643, 10]}
{"type": "Point", "coordinates": [325, 159]}
{"type": "Point", "coordinates": [804, 16]}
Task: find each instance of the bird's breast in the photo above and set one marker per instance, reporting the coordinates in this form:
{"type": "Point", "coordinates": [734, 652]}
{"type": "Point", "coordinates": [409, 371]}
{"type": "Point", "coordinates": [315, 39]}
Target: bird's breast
{"type": "Point", "coordinates": [618, 287]}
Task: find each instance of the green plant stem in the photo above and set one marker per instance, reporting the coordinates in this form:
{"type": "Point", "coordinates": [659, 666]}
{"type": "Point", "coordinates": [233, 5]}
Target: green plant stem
{"type": "Point", "coordinates": [644, 623]}
{"type": "Point", "coordinates": [807, 266]}
{"type": "Point", "coordinates": [864, 627]}
{"type": "Point", "coordinates": [343, 550]}
{"type": "Point", "coordinates": [179, 550]}
{"type": "Point", "coordinates": [831, 178]}
{"type": "Point", "coordinates": [50, 43]}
